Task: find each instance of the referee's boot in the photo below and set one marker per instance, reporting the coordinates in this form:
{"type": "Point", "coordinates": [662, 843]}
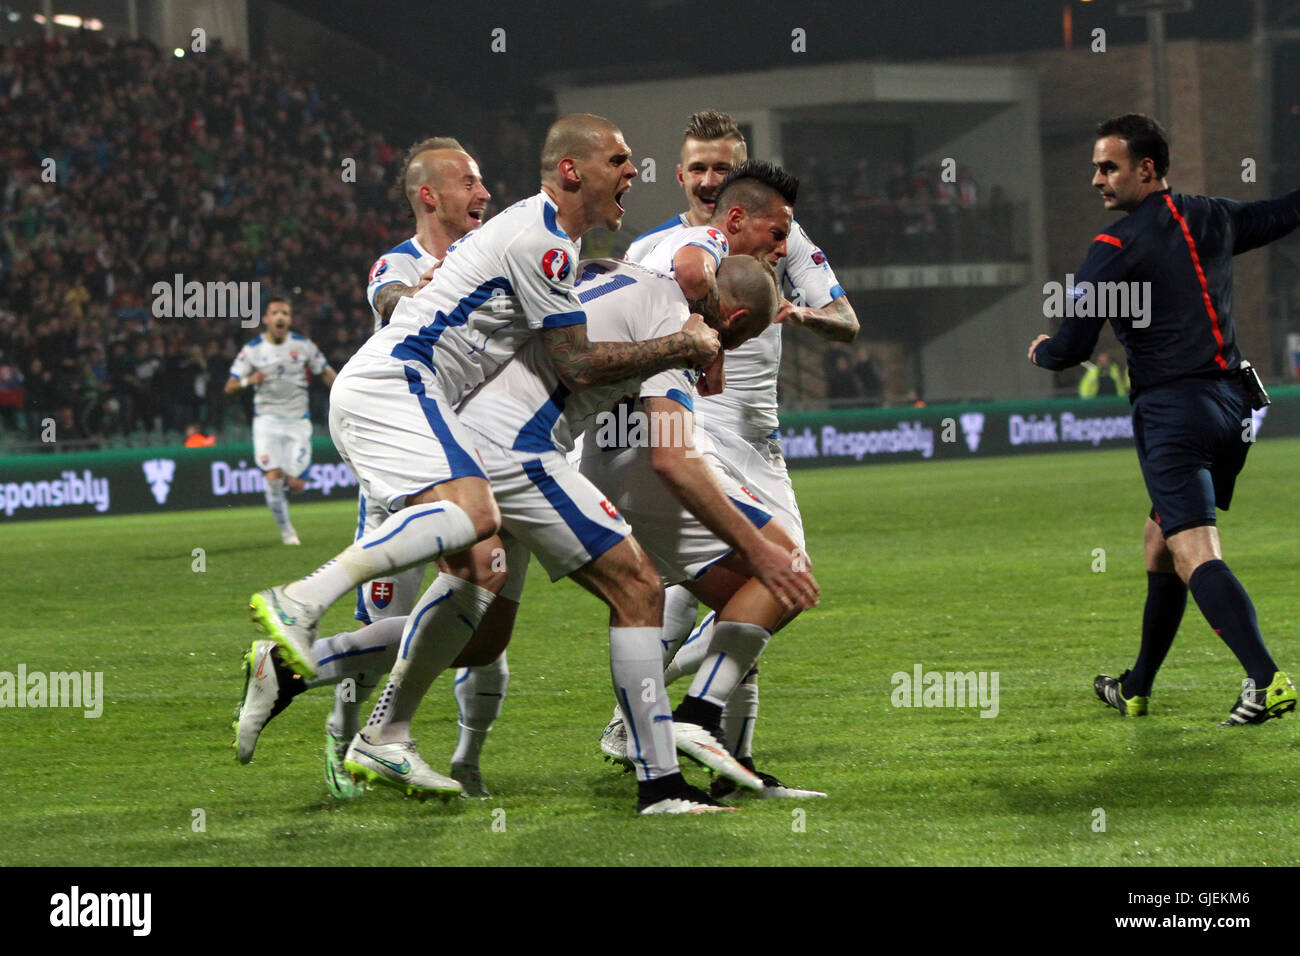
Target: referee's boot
{"type": "Point", "coordinates": [1110, 691]}
{"type": "Point", "coordinates": [1256, 706]}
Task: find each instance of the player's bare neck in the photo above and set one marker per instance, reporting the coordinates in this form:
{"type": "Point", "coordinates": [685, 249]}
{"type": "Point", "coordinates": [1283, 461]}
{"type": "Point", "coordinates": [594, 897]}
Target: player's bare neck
{"type": "Point", "coordinates": [568, 211]}
{"type": "Point", "coordinates": [697, 219]}
{"type": "Point", "coordinates": [433, 239]}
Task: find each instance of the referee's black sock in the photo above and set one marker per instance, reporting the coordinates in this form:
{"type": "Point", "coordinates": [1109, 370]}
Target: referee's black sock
{"type": "Point", "coordinates": [1166, 601]}
{"type": "Point", "coordinates": [1228, 608]}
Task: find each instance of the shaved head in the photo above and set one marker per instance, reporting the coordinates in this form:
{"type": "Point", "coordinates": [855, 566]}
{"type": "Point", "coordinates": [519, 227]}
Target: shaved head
{"type": "Point", "coordinates": [419, 167]}
{"type": "Point", "coordinates": [747, 283]}
{"type": "Point", "coordinates": [576, 136]}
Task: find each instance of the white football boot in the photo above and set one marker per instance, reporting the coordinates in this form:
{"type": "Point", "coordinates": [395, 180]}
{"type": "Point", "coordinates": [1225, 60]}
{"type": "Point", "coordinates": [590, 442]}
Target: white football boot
{"type": "Point", "coordinates": [269, 686]}
{"type": "Point", "coordinates": [289, 624]}
{"type": "Point", "coordinates": [703, 746]}
{"type": "Point", "coordinates": [398, 765]}
{"type": "Point", "coordinates": [613, 741]}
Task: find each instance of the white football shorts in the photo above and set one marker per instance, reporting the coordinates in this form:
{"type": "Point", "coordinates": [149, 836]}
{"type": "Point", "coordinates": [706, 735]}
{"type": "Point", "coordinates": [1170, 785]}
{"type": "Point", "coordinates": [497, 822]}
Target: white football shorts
{"type": "Point", "coordinates": [551, 509]}
{"type": "Point", "coordinates": [681, 547]}
{"type": "Point", "coordinates": [397, 432]}
{"type": "Point", "coordinates": [283, 443]}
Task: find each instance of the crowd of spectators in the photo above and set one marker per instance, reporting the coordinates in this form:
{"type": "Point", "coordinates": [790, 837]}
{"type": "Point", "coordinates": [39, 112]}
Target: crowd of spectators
{"type": "Point", "coordinates": [862, 218]}
{"type": "Point", "coordinates": [852, 377]}
{"type": "Point", "coordinates": [122, 166]}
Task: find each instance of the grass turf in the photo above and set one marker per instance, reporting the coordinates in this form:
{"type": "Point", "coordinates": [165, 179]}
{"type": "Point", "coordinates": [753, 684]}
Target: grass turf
{"type": "Point", "coordinates": [969, 566]}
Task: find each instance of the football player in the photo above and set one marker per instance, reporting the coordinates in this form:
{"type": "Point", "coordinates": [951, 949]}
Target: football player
{"type": "Point", "coordinates": [275, 365]}
{"type": "Point", "coordinates": [743, 417]}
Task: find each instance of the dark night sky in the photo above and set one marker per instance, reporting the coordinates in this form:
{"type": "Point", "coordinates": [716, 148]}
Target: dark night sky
{"type": "Point", "coordinates": [591, 41]}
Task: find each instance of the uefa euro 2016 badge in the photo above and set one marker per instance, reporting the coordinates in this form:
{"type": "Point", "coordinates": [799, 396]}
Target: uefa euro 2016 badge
{"type": "Point", "coordinates": [556, 264]}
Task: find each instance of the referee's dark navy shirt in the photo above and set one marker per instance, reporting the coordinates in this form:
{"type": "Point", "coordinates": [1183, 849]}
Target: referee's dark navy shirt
{"type": "Point", "coordinates": [1183, 246]}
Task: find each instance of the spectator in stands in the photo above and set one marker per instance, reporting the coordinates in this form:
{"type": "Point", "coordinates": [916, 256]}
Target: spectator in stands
{"type": "Point", "coordinates": [842, 385]}
{"type": "Point", "coordinates": [1103, 378]}
{"type": "Point", "coordinates": [870, 385]}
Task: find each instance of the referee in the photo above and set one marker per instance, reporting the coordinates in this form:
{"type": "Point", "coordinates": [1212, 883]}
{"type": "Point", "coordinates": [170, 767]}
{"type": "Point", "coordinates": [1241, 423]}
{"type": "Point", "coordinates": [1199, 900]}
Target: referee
{"type": "Point", "coordinates": [1192, 394]}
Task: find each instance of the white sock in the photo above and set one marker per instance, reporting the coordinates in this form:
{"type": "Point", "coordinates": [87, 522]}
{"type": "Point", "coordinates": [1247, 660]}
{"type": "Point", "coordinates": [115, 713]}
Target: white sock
{"type": "Point", "coordinates": [278, 502]}
{"type": "Point", "coordinates": [371, 648]}
{"type": "Point", "coordinates": [636, 664]}
{"type": "Point", "coordinates": [437, 630]}
{"type": "Point", "coordinates": [739, 714]}
{"type": "Point", "coordinates": [734, 650]}
{"type": "Point", "coordinates": [409, 537]}
{"type": "Point", "coordinates": [480, 692]}
{"type": "Point", "coordinates": [680, 611]}
{"type": "Point", "coordinates": [345, 719]}
{"type": "Point", "coordinates": [689, 656]}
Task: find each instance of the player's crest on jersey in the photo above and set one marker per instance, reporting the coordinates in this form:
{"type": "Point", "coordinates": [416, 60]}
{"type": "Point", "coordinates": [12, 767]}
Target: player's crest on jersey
{"type": "Point", "coordinates": [717, 236]}
{"type": "Point", "coordinates": [381, 593]}
{"type": "Point", "coordinates": [609, 507]}
{"type": "Point", "coordinates": [819, 257]}
{"type": "Point", "coordinates": [379, 268]}
{"type": "Point", "coordinates": [556, 264]}
{"type": "Point", "coordinates": [294, 356]}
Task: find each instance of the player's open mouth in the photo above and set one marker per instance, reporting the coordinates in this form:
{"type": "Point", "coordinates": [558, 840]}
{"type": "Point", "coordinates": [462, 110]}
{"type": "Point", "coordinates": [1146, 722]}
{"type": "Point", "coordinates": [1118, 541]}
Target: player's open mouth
{"type": "Point", "coordinates": [476, 215]}
{"type": "Point", "coordinates": [618, 200]}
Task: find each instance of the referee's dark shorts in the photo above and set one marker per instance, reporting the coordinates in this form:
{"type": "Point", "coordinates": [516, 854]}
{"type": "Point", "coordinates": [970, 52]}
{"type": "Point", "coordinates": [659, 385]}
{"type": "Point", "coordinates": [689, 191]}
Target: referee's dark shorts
{"type": "Point", "coordinates": [1191, 444]}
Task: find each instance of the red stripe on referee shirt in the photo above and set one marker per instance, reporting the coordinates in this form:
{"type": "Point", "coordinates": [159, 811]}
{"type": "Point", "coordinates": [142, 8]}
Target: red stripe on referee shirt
{"type": "Point", "coordinates": [1205, 288]}
{"type": "Point", "coordinates": [1113, 240]}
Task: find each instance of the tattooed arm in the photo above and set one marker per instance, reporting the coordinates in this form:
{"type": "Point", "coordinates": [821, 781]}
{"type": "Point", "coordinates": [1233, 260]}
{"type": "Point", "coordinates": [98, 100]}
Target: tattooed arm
{"type": "Point", "coordinates": [695, 270]}
{"type": "Point", "coordinates": [582, 363]}
{"type": "Point", "coordinates": [388, 296]}
{"type": "Point", "coordinates": [835, 321]}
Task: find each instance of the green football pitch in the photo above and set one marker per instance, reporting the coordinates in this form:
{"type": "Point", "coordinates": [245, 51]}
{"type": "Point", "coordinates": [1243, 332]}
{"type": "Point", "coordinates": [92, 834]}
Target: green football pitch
{"type": "Point", "coordinates": [991, 567]}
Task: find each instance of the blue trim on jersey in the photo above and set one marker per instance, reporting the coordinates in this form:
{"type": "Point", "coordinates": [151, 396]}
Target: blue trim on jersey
{"type": "Point", "coordinates": [535, 436]}
{"type": "Point", "coordinates": [406, 248]}
{"type": "Point", "coordinates": [675, 221]}
{"type": "Point", "coordinates": [717, 259]}
{"type": "Point", "coordinates": [681, 398]}
{"type": "Point", "coordinates": [594, 537]}
{"type": "Point", "coordinates": [256, 341]}
{"type": "Point", "coordinates": [548, 217]}
{"type": "Point", "coordinates": [435, 511]}
{"type": "Point", "coordinates": [418, 346]}
{"type": "Point", "coordinates": [361, 614]}
{"type": "Point", "coordinates": [460, 461]}
{"type": "Point", "coordinates": [837, 290]}
{"type": "Point", "coordinates": [776, 433]}
{"type": "Point", "coordinates": [297, 335]}
{"type": "Point", "coordinates": [233, 375]}
{"type": "Point", "coordinates": [561, 319]}
{"type": "Point", "coordinates": [757, 516]}
{"type": "Point", "coordinates": [618, 282]}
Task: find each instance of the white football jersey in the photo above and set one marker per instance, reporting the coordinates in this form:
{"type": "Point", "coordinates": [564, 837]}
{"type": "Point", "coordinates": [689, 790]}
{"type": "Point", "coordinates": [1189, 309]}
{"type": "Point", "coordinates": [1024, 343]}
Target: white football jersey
{"type": "Point", "coordinates": [284, 393]}
{"type": "Point", "coordinates": [526, 408]}
{"type": "Point", "coordinates": [496, 285]}
{"type": "Point", "coordinates": [405, 264]}
{"type": "Point", "coordinates": [748, 406]}
{"type": "Point", "coordinates": [660, 256]}
{"type": "Point", "coordinates": [643, 243]}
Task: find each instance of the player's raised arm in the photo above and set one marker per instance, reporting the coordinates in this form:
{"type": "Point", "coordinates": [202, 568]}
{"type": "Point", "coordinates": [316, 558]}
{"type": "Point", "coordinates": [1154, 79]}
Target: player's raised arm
{"type": "Point", "coordinates": [684, 472]}
{"type": "Point", "coordinates": [582, 363]}
{"type": "Point", "coordinates": [830, 314]}
{"type": "Point", "coordinates": [695, 269]}
{"type": "Point", "coordinates": [836, 321]}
